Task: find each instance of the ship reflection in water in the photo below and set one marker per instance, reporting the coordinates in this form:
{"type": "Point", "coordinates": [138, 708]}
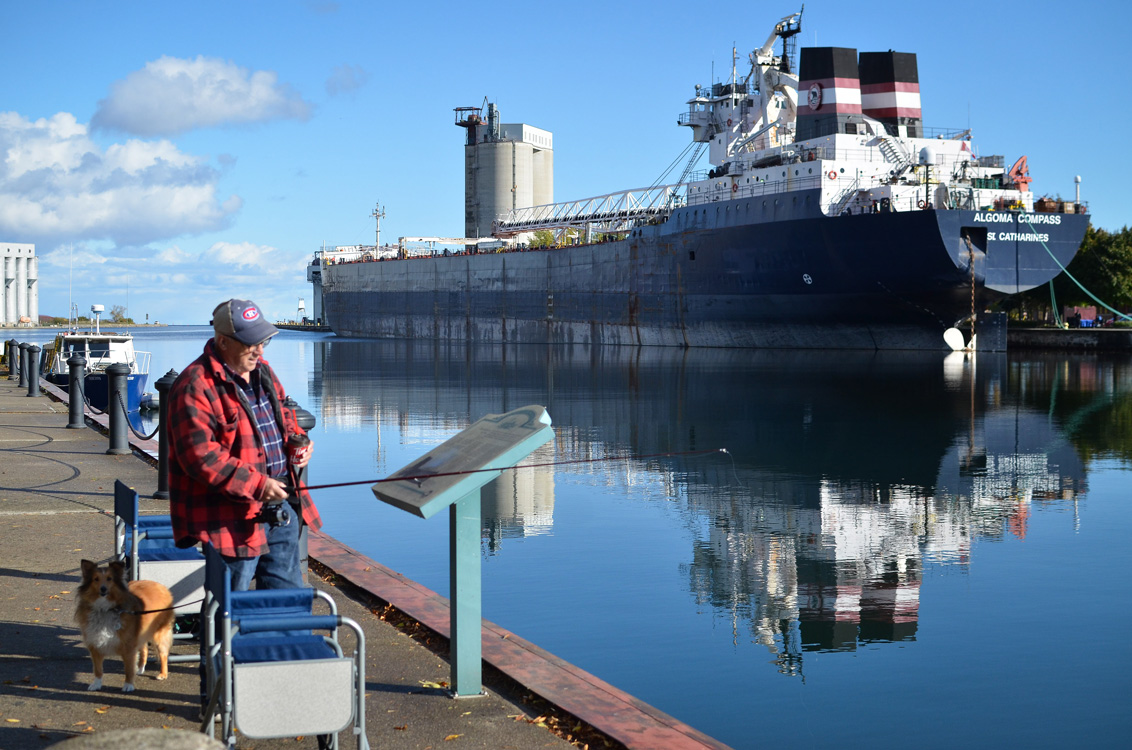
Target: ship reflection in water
{"type": "Point", "coordinates": [851, 480]}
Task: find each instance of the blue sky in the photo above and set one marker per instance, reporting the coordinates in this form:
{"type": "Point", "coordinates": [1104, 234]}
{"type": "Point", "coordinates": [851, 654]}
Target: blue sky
{"type": "Point", "coordinates": [170, 156]}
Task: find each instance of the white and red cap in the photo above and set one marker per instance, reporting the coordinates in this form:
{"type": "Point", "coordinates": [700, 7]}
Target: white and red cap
{"type": "Point", "coordinates": [242, 320]}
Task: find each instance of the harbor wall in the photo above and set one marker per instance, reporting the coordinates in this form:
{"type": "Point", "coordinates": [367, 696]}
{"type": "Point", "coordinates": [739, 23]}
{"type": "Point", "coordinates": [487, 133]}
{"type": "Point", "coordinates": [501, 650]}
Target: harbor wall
{"type": "Point", "coordinates": [1071, 339]}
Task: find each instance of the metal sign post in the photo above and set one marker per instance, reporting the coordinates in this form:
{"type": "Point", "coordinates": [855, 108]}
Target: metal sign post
{"type": "Point", "coordinates": [495, 441]}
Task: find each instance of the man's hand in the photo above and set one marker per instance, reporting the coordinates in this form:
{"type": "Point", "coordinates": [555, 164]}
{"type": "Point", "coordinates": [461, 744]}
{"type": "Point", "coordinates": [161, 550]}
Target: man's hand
{"type": "Point", "coordinates": [303, 457]}
{"type": "Point", "coordinates": [273, 490]}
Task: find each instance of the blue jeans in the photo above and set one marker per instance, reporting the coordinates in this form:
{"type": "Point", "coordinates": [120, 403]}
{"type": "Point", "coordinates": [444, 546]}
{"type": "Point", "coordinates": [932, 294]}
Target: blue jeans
{"type": "Point", "coordinates": [280, 567]}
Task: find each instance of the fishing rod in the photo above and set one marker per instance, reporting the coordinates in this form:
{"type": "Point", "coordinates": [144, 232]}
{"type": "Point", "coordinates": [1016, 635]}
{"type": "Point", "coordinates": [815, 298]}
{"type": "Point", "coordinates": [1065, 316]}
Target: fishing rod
{"type": "Point", "coordinates": [418, 478]}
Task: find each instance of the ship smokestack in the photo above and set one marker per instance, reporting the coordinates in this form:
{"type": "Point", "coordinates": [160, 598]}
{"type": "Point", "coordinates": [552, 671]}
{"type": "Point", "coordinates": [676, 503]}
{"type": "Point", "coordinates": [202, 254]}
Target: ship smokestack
{"type": "Point", "coordinates": [829, 92]}
{"type": "Point", "coordinates": [890, 91]}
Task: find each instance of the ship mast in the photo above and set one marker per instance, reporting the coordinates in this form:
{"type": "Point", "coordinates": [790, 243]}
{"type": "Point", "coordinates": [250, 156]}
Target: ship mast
{"type": "Point", "coordinates": [378, 214]}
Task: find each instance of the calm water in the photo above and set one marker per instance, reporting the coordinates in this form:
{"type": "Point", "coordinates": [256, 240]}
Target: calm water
{"type": "Point", "coordinates": [899, 550]}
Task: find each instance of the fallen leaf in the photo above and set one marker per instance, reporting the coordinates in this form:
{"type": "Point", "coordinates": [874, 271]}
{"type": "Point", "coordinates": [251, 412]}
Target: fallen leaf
{"type": "Point", "coordinates": [102, 710]}
{"type": "Point", "coordinates": [12, 721]}
{"type": "Point", "coordinates": [402, 728]}
{"type": "Point", "coordinates": [428, 684]}
{"type": "Point", "coordinates": [78, 723]}
{"type": "Point", "coordinates": [451, 737]}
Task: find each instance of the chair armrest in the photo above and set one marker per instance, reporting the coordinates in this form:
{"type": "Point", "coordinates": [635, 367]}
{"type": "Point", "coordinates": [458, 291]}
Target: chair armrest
{"type": "Point", "coordinates": [265, 623]}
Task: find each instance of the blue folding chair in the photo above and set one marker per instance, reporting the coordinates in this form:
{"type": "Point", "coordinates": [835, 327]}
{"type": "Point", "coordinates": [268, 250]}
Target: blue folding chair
{"type": "Point", "coordinates": [267, 674]}
{"type": "Point", "coordinates": [146, 543]}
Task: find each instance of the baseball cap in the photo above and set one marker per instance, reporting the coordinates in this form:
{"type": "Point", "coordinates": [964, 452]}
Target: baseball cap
{"type": "Point", "coordinates": [242, 320]}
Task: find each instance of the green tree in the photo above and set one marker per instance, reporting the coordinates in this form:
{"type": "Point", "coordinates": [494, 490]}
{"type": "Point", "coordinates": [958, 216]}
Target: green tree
{"type": "Point", "coordinates": [542, 238]}
{"type": "Point", "coordinates": [1103, 265]}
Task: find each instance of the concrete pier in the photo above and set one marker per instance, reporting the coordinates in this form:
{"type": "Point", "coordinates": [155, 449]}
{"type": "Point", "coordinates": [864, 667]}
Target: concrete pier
{"type": "Point", "coordinates": [56, 491]}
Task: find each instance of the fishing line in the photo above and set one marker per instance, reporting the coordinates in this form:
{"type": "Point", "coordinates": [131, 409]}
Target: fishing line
{"type": "Point", "coordinates": [418, 478]}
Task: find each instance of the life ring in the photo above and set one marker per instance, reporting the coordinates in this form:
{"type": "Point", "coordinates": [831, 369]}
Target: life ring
{"type": "Point", "coordinates": [922, 203]}
{"type": "Point", "coordinates": [735, 187]}
{"type": "Point", "coordinates": [810, 156]}
{"type": "Point", "coordinates": [832, 175]}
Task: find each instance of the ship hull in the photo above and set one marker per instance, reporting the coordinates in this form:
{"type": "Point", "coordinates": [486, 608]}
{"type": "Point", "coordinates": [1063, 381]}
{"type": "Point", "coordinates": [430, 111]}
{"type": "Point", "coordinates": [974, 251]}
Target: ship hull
{"type": "Point", "coordinates": [731, 274]}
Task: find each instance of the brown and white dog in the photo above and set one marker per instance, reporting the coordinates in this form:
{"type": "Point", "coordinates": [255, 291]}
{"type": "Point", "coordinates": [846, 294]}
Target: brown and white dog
{"type": "Point", "coordinates": [121, 619]}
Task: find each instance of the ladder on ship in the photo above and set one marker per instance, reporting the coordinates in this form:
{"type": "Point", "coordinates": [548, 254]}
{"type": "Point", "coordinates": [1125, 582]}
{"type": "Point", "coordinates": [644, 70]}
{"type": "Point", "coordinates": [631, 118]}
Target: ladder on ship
{"type": "Point", "coordinates": [847, 195]}
{"type": "Point", "coordinates": [895, 153]}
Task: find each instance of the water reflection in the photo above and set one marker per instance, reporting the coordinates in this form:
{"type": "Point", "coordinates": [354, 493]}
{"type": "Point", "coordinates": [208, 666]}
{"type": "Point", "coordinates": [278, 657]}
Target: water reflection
{"type": "Point", "coordinates": [850, 474]}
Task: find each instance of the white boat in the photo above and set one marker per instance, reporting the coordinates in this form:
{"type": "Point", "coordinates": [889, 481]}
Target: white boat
{"type": "Point", "coordinates": [100, 350]}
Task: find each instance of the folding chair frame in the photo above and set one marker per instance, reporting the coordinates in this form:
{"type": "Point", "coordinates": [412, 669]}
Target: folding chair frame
{"type": "Point", "coordinates": [223, 622]}
{"type": "Point", "coordinates": [136, 528]}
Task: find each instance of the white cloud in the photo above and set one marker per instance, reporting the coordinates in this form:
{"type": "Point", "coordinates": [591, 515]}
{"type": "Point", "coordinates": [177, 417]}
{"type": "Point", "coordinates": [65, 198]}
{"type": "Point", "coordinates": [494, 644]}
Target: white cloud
{"type": "Point", "coordinates": [249, 259]}
{"type": "Point", "coordinates": [171, 95]}
{"type": "Point", "coordinates": [56, 184]}
{"type": "Point", "coordinates": [346, 79]}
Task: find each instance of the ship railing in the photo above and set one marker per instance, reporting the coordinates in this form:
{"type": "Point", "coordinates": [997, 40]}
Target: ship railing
{"type": "Point", "coordinates": [723, 189]}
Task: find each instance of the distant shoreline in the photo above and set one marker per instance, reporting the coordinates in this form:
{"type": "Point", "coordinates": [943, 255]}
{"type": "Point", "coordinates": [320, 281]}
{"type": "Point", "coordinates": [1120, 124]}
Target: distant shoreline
{"type": "Point", "coordinates": [87, 324]}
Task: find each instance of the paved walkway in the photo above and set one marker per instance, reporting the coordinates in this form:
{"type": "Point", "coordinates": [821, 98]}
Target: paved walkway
{"type": "Point", "coordinates": [56, 488]}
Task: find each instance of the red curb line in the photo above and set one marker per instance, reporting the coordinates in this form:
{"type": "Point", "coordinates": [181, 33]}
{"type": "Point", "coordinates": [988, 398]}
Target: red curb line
{"type": "Point", "coordinates": [614, 712]}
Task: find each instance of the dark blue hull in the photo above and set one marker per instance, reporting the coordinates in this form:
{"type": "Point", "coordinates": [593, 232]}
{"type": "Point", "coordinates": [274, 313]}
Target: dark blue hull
{"type": "Point", "coordinates": [96, 388]}
{"type": "Point", "coordinates": [767, 273]}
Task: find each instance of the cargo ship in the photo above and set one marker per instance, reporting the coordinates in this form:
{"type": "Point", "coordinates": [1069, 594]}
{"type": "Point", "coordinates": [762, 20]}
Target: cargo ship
{"type": "Point", "coordinates": [830, 218]}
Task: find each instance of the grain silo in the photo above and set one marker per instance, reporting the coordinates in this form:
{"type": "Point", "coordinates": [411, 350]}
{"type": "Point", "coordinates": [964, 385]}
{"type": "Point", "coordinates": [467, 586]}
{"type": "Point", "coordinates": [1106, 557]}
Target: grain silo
{"type": "Point", "coordinates": [506, 166]}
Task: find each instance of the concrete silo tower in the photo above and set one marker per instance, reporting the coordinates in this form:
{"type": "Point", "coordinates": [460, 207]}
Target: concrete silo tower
{"type": "Point", "coordinates": [506, 166]}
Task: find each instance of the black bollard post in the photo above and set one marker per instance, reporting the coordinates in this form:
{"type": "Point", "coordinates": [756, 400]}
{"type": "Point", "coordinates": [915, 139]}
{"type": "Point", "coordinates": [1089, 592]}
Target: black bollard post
{"type": "Point", "coordinates": [24, 364]}
{"type": "Point", "coordinates": [75, 405]}
{"type": "Point", "coordinates": [116, 408]}
{"type": "Point", "coordinates": [33, 371]}
{"type": "Point", "coordinates": [13, 359]}
{"type": "Point", "coordinates": [163, 386]}
{"type": "Point", "coordinates": [307, 421]}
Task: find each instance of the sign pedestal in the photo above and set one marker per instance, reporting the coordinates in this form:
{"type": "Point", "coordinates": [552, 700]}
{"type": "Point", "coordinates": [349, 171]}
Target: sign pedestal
{"type": "Point", "coordinates": [451, 476]}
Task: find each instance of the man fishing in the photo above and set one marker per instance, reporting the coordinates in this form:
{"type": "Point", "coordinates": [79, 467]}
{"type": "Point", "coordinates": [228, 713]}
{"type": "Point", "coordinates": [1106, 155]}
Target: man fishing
{"type": "Point", "coordinates": [230, 476]}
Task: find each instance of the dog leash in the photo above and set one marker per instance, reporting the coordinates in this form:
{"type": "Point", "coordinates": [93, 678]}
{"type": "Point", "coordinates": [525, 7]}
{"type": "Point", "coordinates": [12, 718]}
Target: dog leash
{"type": "Point", "coordinates": [163, 609]}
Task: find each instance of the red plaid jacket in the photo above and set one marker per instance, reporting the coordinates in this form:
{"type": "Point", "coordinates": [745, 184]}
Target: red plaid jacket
{"type": "Point", "coordinates": [217, 465]}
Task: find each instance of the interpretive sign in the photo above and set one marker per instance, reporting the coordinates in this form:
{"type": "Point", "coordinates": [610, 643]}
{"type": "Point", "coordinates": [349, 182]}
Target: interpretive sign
{"type": "Point", "coordinates": [438, 479]}
{"type": "Point", "coordinates": [451, 476]}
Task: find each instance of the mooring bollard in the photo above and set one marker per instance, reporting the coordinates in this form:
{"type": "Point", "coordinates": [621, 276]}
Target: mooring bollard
{"type": "Point", "coordinates": [116, 408]}
{"type": "Point", "coordinates": [33, 371]}
{"type": "Point", "coordinates": [307, 421]}
{"type": "Point", "coordinates": [75, 404]}
{"type": "Point", "coordinates": [23, 364]}
{"type": "Point", "coordinates": [10, 351]}
{"type": "Point", "coordinates": [163, 385]}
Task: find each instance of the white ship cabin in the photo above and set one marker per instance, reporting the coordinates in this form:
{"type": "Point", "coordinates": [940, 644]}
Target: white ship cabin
{"type": "Point", "coordinates": [100, 350]}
